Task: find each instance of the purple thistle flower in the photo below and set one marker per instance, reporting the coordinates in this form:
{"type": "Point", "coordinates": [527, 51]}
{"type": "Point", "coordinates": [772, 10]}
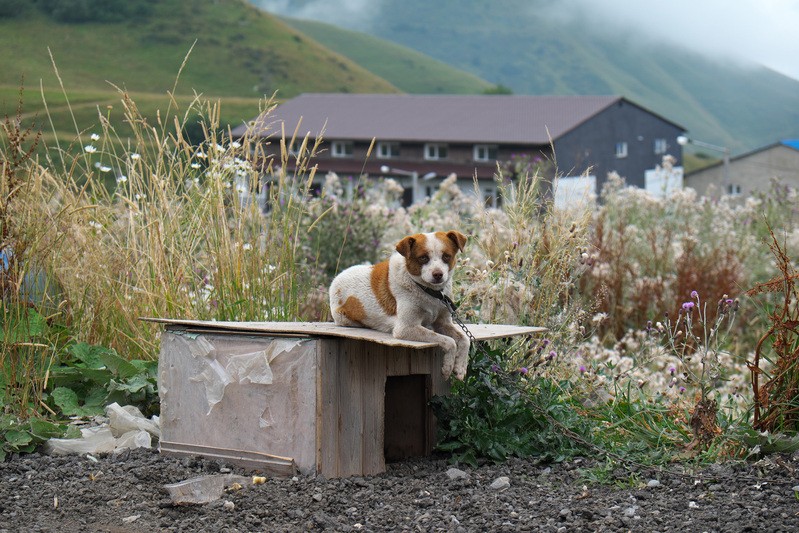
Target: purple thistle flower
{"type": "Point", "coordinates": [687, 306]}
{"type": "Point", "coordinates": [694, 294]}
{"type": "Point", "coordinates": [552, 354]}
{"type": "Point", "coordinates": [672, 370]}
{"type": "Point", "coordinates": [682, 389]}
{"type": "Point", "coordinates": [523, 371]}
{"type": "Point", "coordinates": [582, 369]}
{"type": "Point", "coordinates": [494, 368]}
{"type": "Point", "coordinates": [728, 301]}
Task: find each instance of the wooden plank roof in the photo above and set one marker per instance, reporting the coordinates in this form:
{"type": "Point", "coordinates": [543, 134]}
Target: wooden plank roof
{"type": "Point", "coordinates": [329, 329]}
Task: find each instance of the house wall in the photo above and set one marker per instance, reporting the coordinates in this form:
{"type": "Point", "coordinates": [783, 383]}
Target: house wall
{"type": "Point", "coordinates": [413, 152]}
{"type": "Point", "coordinates": [753, 173]}
{"type": "Point", "coordinates": [593, 144]}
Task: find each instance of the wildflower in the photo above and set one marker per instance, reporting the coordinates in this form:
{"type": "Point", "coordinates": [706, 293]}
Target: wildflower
{"type": "Point", "coordinates": [104, 168]}
{"type": "Point", "coordinates": [235, 144]}
{"type": "Point", "coordinates": [494, 368]}
{"type": "Point", "coordinates": [195, 165]}
{"type": "Point", "coordinates": [688, 306]}
{"type": "Point", "coordinates": [672, 370]}
{"type": "Point", "coordinates": [134, 156]}
{"type": "Point", "coordinates": [247, 246]}
{"type": "Point", "coordinates": [682, 389]}
{"type": "Point", "coordinates": [694, 295]}
{"type": "Point", "coordinates": [95, 137]}
{"type": "Point", "coordinates": [122, 179]}
{"type": "Point", "coordinates": [89, 149]}
{"type": "Point", "coordinates": [552, 354]}
{"type": "Point", "coordinates": [523, 371]}
{"type": "Point", "coordinates": [582, 369]}
{"type": "Point", "coordinates": [200, 154]}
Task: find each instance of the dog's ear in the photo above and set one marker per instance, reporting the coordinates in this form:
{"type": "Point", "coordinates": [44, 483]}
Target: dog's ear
{"type": "Point", "coordinates": [405, 245]}
{"type": "Point", "coordinates": [458, 238]}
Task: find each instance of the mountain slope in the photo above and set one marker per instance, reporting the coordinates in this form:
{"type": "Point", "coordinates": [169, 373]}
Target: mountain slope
{"type": "Point", "coordinates": [515, 43]}
{"type": "Point", "coordinates": [238, 51]}
{"type": "Point", "coordinates": [403, 67]}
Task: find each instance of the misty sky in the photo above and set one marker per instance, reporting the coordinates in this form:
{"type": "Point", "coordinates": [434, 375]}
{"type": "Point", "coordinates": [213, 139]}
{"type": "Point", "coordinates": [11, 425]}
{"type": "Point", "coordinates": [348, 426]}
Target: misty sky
{"type": "Point", "coordinates": [763, 31]}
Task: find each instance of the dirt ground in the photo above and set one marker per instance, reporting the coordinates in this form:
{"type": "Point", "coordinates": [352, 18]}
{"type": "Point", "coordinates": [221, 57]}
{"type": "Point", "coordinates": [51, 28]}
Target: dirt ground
{"type": "Point", "coordinates": [125, 493]}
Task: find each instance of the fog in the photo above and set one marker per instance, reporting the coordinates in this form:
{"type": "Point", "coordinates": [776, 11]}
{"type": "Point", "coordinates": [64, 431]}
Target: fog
{"type": "Point", "coordinates": [760, 31]}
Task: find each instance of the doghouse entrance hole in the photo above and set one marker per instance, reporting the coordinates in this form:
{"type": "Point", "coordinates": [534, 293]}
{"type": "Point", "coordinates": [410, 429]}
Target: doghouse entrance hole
{"type": "Point", "coordinates": [406, 422]}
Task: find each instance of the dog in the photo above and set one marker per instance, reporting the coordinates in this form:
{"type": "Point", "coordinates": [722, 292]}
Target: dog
{"type": "Point", "coordinates": [404, 296]}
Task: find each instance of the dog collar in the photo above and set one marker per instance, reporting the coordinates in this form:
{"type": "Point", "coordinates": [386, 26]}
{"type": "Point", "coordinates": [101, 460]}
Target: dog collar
{"type": "Point", "coordinates": [438, 295]}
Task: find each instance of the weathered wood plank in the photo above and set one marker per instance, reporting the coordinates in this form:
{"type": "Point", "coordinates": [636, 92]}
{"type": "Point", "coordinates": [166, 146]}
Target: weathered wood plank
{"type": "Point", "coordinates": [329, 329]}
{"type": "Point", "coordinates": [350, 408]}
{"type": "Point", "coordinates": [373, 381]}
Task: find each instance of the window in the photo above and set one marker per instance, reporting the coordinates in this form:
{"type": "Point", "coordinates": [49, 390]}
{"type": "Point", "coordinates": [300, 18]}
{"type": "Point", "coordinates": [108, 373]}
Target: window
{"type": "Point", "coordinates": [434, 151]}
{"type": "Point", "coordinates": [341, 149]}
{"type": "Point", "coordinates": [734, 189]}
{"type": "Point", "coordinates": [660, 146]}
{"type": "Point", "coordinates": [621, 149]}
{"type": "Point", "coordinates": [485, 152]}
{"type": "Point", "coordinates": [387, 150]}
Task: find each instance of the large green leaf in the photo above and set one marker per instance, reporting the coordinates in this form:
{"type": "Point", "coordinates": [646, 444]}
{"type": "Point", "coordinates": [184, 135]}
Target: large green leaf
{"type": "Point", "coordinates": [46, 430]}
{"type": "Point", "coordinates": [17, 438]}
{"type": "Point", "coordinates": [67, 400]}
{"type": "Point", "coordinates": [22, 328]}
{"type": "Point", "coordinates": [117, 365]}
{"type": "Point", "coordinates": [88, 354]}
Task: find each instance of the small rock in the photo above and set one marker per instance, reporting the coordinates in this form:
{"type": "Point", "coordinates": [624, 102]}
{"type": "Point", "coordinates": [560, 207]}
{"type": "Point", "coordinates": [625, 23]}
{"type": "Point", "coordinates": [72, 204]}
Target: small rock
{"type": "Point", "coordinates": [456, 473]}
{"type": "Point", "coordinates": [693, 505]}
{"type": "Point", "coordinates": [630, 511]}
{"type": "Point", "coordinates": [228, 505]}
{"type": "Point", "coordinates": [565, 512]}
{"type": "Point", "coordinates": [317, 497]}
{"type": "Point", "coordinates": [130, 519]}
{"type": "Point", "coordinates": [653, 483]}
{"type": "Point", "coordinates": [501, 483]}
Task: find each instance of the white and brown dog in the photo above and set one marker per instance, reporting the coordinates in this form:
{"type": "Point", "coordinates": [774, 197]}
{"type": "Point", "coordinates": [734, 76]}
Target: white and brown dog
{"type": "Point", "coordinates": [401, 296]}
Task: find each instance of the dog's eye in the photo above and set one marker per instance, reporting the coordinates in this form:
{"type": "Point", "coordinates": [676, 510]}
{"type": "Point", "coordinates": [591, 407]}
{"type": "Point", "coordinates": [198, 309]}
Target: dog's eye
{"type": "Point", "coordinates": [446, 258]}
{"type": "Point", "coordinates": [423, 259]}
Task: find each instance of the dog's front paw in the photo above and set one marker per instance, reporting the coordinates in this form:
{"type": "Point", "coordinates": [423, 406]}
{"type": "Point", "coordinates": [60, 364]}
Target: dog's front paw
{"type": "Point", "coordinates": [460, 367]}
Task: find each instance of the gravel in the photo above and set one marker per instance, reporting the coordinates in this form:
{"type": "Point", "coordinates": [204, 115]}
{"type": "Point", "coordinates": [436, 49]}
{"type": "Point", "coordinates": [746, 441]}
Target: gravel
{"type": "Point", "coordinates": [125, 493]}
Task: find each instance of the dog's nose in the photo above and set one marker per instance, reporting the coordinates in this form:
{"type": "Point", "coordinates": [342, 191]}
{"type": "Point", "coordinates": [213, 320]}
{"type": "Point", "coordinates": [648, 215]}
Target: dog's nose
{"type": "Point", "coordinates": [438, 275]}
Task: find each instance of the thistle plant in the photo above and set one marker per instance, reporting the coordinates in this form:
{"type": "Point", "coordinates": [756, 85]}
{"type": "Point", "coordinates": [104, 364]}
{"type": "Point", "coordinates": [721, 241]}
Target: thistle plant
{"type": "Point", "coordinates": [698, 339]}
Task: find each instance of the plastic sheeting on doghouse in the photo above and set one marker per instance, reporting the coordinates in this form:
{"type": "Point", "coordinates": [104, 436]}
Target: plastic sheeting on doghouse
{"type": "Point", "coordinates": [228, 392]}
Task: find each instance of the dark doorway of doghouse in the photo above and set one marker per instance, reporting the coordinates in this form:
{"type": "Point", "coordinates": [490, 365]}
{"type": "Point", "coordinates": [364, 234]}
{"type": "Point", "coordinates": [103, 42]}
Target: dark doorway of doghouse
{"type": "Point", "coordinates": [407, 418]}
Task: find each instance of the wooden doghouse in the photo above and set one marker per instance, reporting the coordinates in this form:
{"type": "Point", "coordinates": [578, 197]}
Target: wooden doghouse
{"type": "Point", "coordinates": [316, 397]}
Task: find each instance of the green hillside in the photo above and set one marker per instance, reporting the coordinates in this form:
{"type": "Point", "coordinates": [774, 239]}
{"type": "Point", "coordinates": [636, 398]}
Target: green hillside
{"type": "Point", "coordinates": [407, 69]}
{"type": "Point", "coordinates": [515, 44]}
{"type": "Point", "coordinates": [238, 54]}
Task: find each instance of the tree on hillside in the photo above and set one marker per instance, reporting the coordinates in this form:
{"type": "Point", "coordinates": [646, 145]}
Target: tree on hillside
{"type": "Point", "coordinates": [11, 8]}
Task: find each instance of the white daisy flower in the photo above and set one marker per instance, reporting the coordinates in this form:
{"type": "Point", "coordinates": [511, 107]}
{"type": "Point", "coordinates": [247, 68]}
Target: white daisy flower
{"type": "Point", "coordinates": [89, 149]}
{"type": "Point", "coordinates": [135, 157]}
{"type": "Point", "coordinates": [122, 179]}
{"type": "Point", "coordinates": [95, 137]}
